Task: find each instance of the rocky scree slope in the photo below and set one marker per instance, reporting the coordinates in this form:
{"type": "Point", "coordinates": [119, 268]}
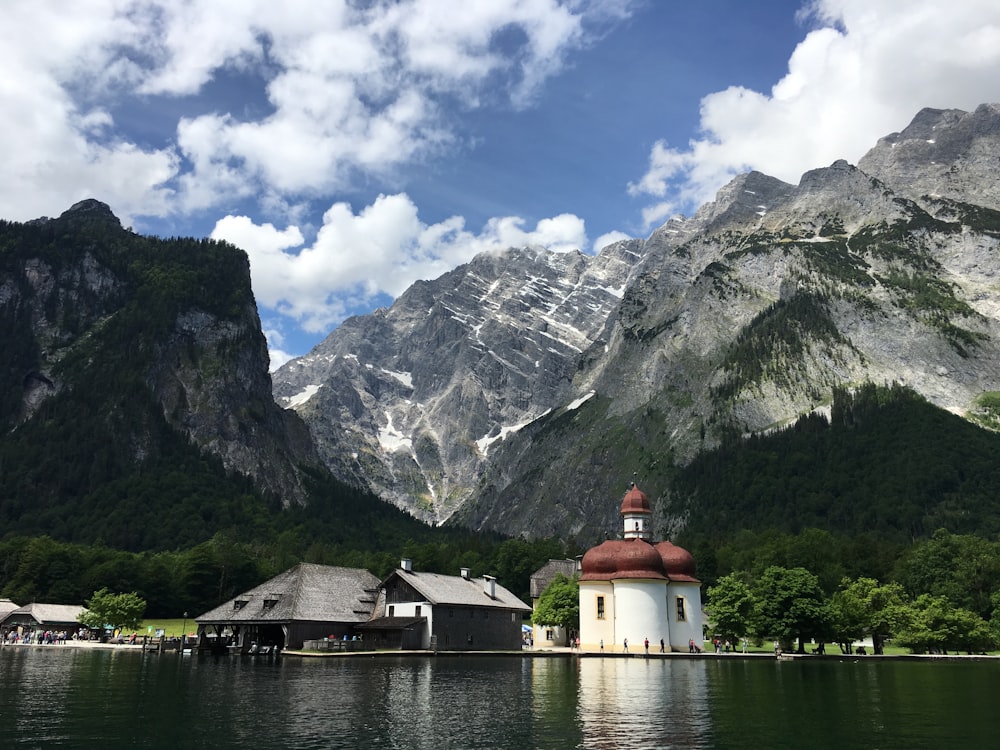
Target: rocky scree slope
{"type": "Point", "coordinates": [409, 401]}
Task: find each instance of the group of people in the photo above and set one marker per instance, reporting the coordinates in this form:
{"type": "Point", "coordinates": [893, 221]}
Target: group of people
{"type": "Point", "coordinates": [49, 637]}
{"type": "Point", "coordinates": [727, 645]}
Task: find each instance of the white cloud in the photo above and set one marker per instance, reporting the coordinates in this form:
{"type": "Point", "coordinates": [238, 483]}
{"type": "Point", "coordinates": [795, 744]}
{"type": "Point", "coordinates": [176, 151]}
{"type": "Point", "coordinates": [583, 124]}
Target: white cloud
{"type": "Point", "coordinates": [864, 72]}
{"type": "Point", "coordinates": [382, 249]}
{"type": "Point", "coordinates": [275, 342]}
{"type": "Point", "coordinates": [56, 146]}
{"type": "Point", "coordinates": [609, 238]}
{"type": "Point", "coordinates": [339, 90]}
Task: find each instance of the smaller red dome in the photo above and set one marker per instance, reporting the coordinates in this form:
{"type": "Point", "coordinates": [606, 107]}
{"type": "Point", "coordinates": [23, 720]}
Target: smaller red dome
{"type": "Point", "coordinates": [677, 562]}
{"type": "Point", "coordinates": [599, 563]}
{"type": "Point", "coordinates": [635, 501]}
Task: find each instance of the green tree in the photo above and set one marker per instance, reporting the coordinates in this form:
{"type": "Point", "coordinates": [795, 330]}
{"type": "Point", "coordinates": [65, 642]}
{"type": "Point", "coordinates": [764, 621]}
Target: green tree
{"type": "Point", "coordinates": [118, 611]}
{"type": "Point", "coordinates": [731, 606]}
{"type": "Point", "coordinates": [790, 605]}
{"type": "Point", "coordinates": [866, 607]}
{"type": "Point", "coordinates": [559, 604]}
{"type": "Point", "coordinates": [964, 568]}
{"type": "Point", "coordinates": [934, 625]}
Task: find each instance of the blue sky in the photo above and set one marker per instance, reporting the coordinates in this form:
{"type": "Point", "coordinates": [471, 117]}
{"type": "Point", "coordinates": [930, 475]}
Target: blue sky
{"type": "Point", "coordinates": [353, 147]}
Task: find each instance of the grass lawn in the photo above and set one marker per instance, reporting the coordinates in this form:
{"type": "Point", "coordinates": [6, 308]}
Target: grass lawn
{"type": "Point", "coordinates": [171, 628]}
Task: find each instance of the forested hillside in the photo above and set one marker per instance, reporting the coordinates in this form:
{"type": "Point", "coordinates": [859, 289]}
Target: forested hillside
{"type": "Point", "coordinates": [886, 466]}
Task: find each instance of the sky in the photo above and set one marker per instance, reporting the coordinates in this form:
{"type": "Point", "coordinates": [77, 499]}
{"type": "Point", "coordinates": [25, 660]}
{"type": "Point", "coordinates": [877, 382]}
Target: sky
{"type": "Point", "coordinates": [352, 147]}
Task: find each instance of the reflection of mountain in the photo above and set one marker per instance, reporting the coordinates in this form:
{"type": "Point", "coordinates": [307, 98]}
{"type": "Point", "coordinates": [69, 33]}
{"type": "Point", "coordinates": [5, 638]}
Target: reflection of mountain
{"type": "Point", "coordinates": [638, 702]}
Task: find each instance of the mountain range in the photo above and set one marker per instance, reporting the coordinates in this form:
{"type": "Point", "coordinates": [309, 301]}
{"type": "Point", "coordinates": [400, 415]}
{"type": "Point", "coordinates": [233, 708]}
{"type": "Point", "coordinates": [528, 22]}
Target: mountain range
{"type": "Point", "coordinates": [520, 392]}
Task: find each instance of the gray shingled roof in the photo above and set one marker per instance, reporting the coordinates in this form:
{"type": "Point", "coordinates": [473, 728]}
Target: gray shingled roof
{"type": "Point", "coordinates": [6, 607]}
{"type": "Point", "coordinates": [442, 589]}
{"type": "Point", "coordinates": [307, 592]}
{"type": "Point", "coordinates": [542, 577]}
{"type": "Point", "coordinates": [46, 614]}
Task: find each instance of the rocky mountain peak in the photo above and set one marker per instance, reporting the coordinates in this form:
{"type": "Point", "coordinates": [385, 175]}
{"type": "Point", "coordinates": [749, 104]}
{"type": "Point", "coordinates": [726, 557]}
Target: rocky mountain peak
{"type": "Point", "coordinates": [476, 393]}
{"type": "Point", "coordinates": [90, 210]}
{"type": "Point", "coordinates": [942, 154]}
{"type": "Point", "coordinates": [744, 200]}
{"type": "Point", "coordinates": [419, 395]}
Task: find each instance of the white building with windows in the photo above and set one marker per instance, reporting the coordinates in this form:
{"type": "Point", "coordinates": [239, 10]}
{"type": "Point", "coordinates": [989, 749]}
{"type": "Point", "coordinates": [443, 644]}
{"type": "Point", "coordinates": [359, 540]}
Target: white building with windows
{"type": "Point", "coordinates": [632, 590]}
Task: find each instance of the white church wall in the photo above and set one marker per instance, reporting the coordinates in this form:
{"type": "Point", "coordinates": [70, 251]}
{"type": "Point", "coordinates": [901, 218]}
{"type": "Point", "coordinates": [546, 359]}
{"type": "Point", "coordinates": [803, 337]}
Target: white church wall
{"type": "Point", "coordinates": [595, 628]}
{"type": "Point", "coordinates": [642, 613]}
{"type": "Point", "coordinates": [682, 631]}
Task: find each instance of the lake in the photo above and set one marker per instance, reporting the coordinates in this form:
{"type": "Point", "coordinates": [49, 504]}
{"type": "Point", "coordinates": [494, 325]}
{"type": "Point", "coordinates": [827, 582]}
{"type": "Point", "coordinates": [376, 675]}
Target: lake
{"type": "Point", "coordinates": [62, 697]}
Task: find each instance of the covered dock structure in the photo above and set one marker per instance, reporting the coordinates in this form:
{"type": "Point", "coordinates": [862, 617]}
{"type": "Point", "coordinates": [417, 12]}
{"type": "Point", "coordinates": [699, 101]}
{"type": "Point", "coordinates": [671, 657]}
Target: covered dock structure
{"type": "Point", "coordinates": [306, 602]}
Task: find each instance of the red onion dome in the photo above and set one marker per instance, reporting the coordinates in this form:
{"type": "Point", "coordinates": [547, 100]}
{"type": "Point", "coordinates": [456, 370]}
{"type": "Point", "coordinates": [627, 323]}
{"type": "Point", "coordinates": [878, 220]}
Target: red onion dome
{"type": "Point", "coordinates": [599, 563]}
{"type": "Point", "coordinates": [677, 562]}
{"type": "Point", "coordinates": [635, 501]}
{"type": "Point", "coordinates": [622, 558]}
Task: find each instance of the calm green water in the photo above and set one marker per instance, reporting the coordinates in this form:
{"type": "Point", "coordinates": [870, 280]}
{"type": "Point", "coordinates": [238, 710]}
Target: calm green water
{"type": "Point", "coordinates": [69, 698]}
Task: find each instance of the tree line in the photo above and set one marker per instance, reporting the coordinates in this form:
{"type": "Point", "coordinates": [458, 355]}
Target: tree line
{"type": "Point", "coordinates": [939, 594]}
{"type": "Point", "coordinates": [944, 596]}
{"type": "Point", "coordinates": [42, 569]}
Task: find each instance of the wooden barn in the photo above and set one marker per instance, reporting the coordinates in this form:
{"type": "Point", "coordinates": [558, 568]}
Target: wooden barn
{"type": "Point", "coordinates": [306, 602]}
{"type": "Point", "coordinates": [36, 616]}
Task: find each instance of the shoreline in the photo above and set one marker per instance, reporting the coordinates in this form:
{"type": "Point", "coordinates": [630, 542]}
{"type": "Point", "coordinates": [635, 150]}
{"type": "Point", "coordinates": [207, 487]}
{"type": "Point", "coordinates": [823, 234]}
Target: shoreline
{"type": "Point", "coordinates": [524, 653]}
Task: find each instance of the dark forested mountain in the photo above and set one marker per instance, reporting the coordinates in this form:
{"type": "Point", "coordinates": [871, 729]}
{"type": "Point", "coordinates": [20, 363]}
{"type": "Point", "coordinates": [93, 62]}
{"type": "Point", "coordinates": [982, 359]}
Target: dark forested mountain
{"type": "Point", "coordinates": [519, 392]}
{"type": "Point", "coordinates": [135, 402]}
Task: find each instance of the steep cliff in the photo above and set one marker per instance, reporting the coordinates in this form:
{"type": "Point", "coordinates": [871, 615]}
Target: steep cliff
{"type": "Point", "coordinates": [122, 351]}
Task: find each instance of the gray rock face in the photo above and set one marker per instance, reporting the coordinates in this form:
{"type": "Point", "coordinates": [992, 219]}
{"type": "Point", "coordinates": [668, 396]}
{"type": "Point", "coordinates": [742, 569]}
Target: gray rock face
{"type": "Point", "coordinates": [409, 401]}
{"type": "Point", "coordinates": [206, 371]}
{"type": "Point", "coordinates": [942, 153]}
{"type": "Point", "coordinates": [518, 393]}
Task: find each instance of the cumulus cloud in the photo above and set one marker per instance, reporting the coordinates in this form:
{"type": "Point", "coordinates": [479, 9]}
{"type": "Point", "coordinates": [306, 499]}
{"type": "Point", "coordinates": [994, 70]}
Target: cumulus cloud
{"type": "Point", "coordinates": [380, 250]}
{"type": "Point", "coordinates": [609, 238]}
{"type": "Point", "coordinates": [863, 71]}
{"type": "Point", "coordinates": [342, 90]}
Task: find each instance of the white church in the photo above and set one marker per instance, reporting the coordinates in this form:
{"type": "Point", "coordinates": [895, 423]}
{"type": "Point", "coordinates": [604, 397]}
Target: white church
{"type": "Point", "coordinates": [632, 590]}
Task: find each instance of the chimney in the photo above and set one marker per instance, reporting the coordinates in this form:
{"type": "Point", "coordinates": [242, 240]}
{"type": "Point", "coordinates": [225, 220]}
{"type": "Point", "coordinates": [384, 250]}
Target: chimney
{"type": "Point", "coordinates": [490, 586]}
{"type": "Point", "coordinates": [465, 573]}
{"type": "Point", "coordinates": [406, 564]}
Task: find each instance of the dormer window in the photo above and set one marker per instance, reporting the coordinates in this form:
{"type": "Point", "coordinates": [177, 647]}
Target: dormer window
{"type": "Point", "coordinates": [269, 603]}
{"type": "Point", "coordinates": [239, 604]}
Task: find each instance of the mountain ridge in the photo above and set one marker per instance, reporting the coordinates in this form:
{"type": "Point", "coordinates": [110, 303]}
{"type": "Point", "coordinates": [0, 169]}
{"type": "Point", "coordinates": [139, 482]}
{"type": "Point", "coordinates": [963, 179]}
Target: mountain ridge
{"type": "Point", "coordinates": [740, 318]}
